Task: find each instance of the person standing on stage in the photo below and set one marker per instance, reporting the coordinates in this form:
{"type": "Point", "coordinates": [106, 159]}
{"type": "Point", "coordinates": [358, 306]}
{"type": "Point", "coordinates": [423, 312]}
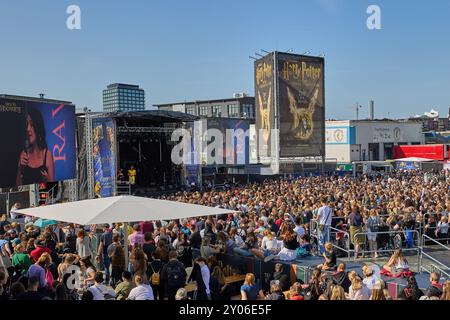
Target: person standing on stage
{"type": "Point", "coordinates": [132, 177]}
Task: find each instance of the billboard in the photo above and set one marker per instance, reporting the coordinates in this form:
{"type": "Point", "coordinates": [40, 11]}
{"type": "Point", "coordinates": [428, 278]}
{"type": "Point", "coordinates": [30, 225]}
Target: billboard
{"type": "Point", "coordinates": [301, 105]}
{"type": "Point", "coordinates": [408, 165]}
{"type": "Point", "coordinates": [37, 142]}
{"type": "Point", "coordinates": [264, 103]}
{"type": "Point", "coordinates": [104, 157]}
{"type": "Point", "coordinates": [433, 151]}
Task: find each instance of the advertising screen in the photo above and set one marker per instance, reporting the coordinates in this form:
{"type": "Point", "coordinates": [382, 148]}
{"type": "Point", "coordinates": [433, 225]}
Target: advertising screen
{"type": "Point", "coordinates": [37, 142]}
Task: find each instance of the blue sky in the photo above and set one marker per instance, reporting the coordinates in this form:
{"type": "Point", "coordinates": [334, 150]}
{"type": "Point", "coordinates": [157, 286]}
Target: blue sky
{"type": "Point", "coordinates": [199, 49]}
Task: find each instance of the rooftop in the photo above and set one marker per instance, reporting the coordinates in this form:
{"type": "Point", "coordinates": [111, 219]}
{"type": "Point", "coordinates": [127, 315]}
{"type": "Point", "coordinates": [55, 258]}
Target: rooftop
{"type": "Point", "coordinates": [34, 99]}
{"type": "Point", "coordinates": [202, 101]}
{"type": "Point", "coordinates": [123, 85]}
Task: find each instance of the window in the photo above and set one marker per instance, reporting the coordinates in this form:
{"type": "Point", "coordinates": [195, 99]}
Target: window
{"type": "Point", "coordinates": [203, 111]}
{"type": "Point", "coordinates": [216, 111]}
{"type": "Point", "coordinates": [248, 110]}
{"type": "Point", "coordinates": [191, 110]}
{"type": "Point", "coordinates": [233, 110]}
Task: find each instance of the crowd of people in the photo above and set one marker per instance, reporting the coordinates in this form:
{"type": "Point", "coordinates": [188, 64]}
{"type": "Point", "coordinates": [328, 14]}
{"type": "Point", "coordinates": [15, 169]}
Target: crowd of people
{"type": "Point", "coordinates": [277, 220]}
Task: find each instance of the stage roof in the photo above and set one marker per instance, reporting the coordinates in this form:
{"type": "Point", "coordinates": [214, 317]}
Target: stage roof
{"type": "Point", "coordinates": [120, 209]}
{"type": "Point", "coordinates": [155, 115]}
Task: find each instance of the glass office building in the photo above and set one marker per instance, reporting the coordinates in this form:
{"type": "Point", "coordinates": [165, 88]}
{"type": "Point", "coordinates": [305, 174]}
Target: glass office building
{"type": "Point", "coordinates": [123, 97]}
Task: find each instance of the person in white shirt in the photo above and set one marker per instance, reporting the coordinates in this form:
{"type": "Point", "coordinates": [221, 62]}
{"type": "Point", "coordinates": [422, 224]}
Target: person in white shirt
{"type": "Point", "coordinates": [269, 246]}
{"type": "Point", "coordinates": [141, 291]}
{"type": "Point", "coordinates": [442, 230]}
{"type": "Point", "coordinates": [324, 216]}
{"type": "Point", "coordinates": [99, 290]}
{"type": "Point", "coordinates": [299, 230]}
{"type": "Point", "coordinates": [370, 278]}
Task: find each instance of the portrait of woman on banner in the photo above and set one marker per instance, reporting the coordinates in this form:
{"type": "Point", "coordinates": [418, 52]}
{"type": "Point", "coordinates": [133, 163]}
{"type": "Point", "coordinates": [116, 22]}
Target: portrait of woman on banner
{"type": "Point", "coordinates": [36, 162]}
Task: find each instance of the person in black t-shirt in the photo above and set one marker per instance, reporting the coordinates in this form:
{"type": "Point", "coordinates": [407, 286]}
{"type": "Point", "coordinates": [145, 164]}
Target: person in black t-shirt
{"type": "Point", "coordinates": [32, 292]}
{"type": "Point", "coordinates": [330, 258]}
{"type": "Point", "coordinates": [340, 277]}
{"type": "Point", "coordinates": [149, 245]}
{"type": "Point", "coordinates": [281, 277]}
{"type": "Point", "coordinates": [106, 239]}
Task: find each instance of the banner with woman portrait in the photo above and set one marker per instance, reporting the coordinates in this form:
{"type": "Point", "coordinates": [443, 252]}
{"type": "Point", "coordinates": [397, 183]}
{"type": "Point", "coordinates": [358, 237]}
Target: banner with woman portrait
{"type": "Point", "coordinates": [37, 141]}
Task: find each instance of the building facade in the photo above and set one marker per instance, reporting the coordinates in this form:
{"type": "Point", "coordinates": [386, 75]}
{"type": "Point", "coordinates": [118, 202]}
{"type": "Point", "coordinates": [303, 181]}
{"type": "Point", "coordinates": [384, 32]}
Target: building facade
{"type": "Point", "coordinates": [369, 140]}
{"type": "Point", "coordinates": [123, 97]}
{"type": "Point", "coordinates": [240, 106]}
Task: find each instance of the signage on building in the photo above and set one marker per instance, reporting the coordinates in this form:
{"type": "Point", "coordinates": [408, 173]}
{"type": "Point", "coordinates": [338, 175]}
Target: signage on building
{"type": "Point", "coordinates": [386, 134]}
{"type": "Point", "coordinates": [337, 135]}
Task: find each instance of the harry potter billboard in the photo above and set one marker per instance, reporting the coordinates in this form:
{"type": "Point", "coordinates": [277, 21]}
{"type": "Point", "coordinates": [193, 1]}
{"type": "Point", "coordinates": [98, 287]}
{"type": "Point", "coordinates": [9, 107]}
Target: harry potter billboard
{"type": "Point", "coordinates": [301, 101]}
{"type": "Point", "coordinates": [265, 103]}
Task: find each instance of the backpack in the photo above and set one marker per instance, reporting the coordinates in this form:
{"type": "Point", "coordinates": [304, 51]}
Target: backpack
{"type": "Point", "coordinates": [155, 278]}
{"type": "Point", "coordinates": [301, 252]}
{"type": "Point", "coordinates": [175, 275]}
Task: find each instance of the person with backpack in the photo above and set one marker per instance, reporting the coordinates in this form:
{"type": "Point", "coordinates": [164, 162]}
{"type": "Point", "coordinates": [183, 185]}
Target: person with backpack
{"type": "Point", "coordinates": [154, 275]}
{"type": "Point", "coordinates": [173, 275]}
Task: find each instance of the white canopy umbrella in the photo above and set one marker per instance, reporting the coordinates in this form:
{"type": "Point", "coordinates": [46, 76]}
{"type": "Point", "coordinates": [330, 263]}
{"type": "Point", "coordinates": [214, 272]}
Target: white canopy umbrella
{"type": "Point", "coordinates": [414, 159]}
{"type": "Point", "coordinates": [120, 209]}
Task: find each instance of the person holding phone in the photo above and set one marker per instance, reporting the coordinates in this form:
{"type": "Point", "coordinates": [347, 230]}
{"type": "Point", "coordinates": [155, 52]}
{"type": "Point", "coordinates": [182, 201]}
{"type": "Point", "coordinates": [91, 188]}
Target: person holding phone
{"type": "Point", "coordinates": [36, 162]}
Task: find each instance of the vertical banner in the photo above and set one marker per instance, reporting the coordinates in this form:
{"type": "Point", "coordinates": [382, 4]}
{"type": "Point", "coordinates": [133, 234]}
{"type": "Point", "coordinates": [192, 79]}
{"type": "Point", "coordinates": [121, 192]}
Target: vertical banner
{"type": "Point", "coordinates": [264, 104]}
{"type": "Point", "coordinates": [37, 142]}
{"type": "Point", "coordinates": [301, 100]}
{"type": "Point", "coordinates": [104, 157]}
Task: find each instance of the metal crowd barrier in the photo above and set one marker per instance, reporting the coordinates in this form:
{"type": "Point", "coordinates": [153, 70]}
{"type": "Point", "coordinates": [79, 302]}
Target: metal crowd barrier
{"type": "Point", "coordinates": [441, 264]}
{"type": "Point", "coordinates": [416, 249]}
{"type": "Point", "coordinates": [335, 231]}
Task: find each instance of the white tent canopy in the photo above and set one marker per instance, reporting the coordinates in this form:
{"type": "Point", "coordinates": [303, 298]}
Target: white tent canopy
{"type": "Point", "coordinates": [120, 209]}
{"type": "Point", "coordinates": [414, 159]}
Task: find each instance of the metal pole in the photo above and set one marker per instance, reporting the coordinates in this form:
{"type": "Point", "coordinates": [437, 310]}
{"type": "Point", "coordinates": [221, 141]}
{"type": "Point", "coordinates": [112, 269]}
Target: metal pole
{"type": "Point", "coordinates": [125, 242]}
{"type": "Point", "coordinates": [140, 155]}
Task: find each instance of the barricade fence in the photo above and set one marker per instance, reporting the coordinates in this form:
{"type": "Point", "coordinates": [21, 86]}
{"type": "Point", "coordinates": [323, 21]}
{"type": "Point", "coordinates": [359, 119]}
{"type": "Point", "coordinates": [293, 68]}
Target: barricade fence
{"type": "Point", "coordinates": [442, 268]}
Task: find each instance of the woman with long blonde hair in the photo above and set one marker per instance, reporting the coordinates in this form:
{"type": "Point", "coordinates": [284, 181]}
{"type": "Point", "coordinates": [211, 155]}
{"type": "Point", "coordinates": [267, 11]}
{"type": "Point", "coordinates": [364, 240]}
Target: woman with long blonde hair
{"type": "Point", "coordinates": [357, 290]}
{"type": "Point", "coordinates": [397, 263]}
{"type": "Point", "coordinates": [446, 291]}
{"type": "Point", "coordinates": [250, 290]}
{"type": "Point", "coordinates": [338, 293]}
{"type": "Point", "coordinates": [378, 292]}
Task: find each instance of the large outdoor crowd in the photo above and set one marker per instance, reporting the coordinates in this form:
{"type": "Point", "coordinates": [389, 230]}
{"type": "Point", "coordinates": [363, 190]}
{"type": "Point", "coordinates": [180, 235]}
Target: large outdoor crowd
{"type": "Point", "coordinates": [281, 220]}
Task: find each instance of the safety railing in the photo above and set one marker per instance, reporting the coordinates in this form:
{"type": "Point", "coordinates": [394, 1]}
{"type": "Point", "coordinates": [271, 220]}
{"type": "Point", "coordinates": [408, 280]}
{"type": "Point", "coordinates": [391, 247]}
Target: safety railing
{"type": "Point", "coordinates": [336, 244]}
{"type": "Point", "coordinates": [424, 223]}
{"type": "Point", "coordinates": [123, 188]}
{"type": "Point", "coordinates": [428, 256]}
{"type": "Point", "coordinates": [390, 233]}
